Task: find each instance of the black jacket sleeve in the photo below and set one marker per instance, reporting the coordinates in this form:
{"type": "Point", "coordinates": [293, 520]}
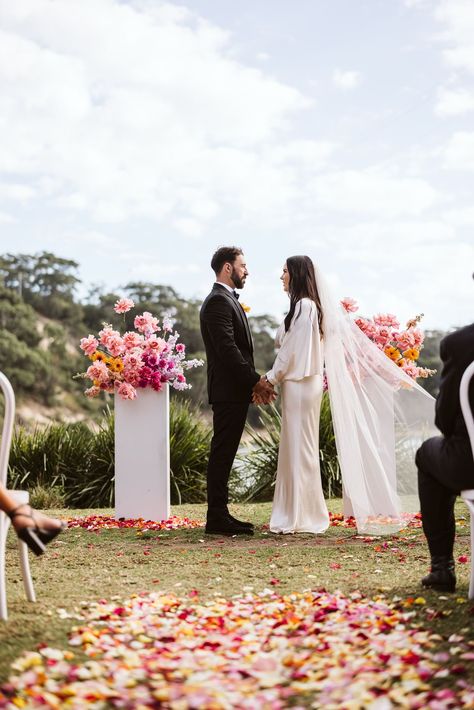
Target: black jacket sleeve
{"type": "Point", "coordinates": [217, 316]}
{"type": "Point", "coordinates": [447, 403]}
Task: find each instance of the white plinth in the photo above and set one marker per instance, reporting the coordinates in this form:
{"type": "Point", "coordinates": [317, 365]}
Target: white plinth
{"type": "Point", "coordinates": [142, 456]}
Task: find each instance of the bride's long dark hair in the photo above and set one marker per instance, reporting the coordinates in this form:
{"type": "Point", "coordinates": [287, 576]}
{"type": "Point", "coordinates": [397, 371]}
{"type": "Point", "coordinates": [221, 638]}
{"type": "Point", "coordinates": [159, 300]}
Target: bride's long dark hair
{"type": "Point", "coordinates": [302, 284]}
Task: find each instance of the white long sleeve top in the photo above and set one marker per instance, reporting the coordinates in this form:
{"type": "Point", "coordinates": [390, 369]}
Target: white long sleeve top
{"type": "Point", "coordinates": [300, 351]}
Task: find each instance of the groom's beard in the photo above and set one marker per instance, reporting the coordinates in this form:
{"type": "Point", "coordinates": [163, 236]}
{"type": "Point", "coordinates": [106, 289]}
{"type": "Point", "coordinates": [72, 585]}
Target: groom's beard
{"type": "Point", "coordinates": [236, 280]}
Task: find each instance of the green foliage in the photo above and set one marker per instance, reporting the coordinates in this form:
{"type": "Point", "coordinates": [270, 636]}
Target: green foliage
{"type": "Point", "coordinates": [429, 357]}
{"type": "Point", "coordinates": [259, 463]}
{"type": "Point", "coordinates": [190, 438]}
{"type": "Point", "coordinates": [47, 497]}
{"type": "Point", "coordinates": [78, 462]}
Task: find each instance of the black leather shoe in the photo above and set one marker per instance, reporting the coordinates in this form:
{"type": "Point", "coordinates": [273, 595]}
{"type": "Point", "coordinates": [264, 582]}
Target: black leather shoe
{"type": "Point", "coordinates": [242, 523]}
{"type": "Point", "coordinates": [442, 577]}
{"type": "Point", "coordinates": [223, 524]}
{"type": "Point", "coordinates": [226, 529]}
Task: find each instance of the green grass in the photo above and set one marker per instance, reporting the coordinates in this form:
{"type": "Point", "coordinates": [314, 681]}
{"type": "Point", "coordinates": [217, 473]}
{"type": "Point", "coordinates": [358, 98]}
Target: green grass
{"type": "Point", "coordinates": [83, 566]}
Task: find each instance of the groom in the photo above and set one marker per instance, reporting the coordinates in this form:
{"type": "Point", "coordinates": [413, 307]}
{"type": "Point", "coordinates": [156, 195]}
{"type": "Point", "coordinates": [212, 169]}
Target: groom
{"type": "Point", "coordinates": [231, 380]}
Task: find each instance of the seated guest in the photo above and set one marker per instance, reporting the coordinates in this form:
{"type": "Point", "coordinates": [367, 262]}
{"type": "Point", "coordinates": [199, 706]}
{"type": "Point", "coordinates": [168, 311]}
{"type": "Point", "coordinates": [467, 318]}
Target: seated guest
{"type": "Point", "coordinates": [445, 463]}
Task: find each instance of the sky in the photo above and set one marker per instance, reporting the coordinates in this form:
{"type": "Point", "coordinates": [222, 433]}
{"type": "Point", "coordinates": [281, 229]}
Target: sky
{"type": "Point", "coordinates": [138, 136]}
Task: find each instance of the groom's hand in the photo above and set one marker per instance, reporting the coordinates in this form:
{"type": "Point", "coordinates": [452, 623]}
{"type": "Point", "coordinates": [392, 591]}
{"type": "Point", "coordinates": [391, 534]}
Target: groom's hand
{"type": "Point", "coordinates": [263, 392]}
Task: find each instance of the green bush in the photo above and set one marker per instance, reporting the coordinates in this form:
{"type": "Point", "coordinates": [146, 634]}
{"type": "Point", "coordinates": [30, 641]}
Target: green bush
{"type": "Point", "coordinates": [258, 464]}
{"type": "Point", "coordinates": [79, 462]}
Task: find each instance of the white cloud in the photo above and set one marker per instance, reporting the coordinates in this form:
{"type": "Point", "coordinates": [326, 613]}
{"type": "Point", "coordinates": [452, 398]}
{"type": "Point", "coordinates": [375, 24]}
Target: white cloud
{"type": "Point", "coordinates": [463, 216]}
{"type": "Point", "coordinates": [346, 79]}
{"type": "Point", "coordinates": [373, 192]}
{"type": "Point", "coordinates": [132, 128]}
{"type": "Point", "coordinates": [454, 102]}
{"type": "Point", "coordinates": [457, 17]}
{"type": "Point", "coordinates": [459, 152]}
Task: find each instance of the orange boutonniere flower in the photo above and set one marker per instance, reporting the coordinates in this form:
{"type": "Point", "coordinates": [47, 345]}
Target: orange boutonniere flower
{"type": "Point", "coordinates": [246, 308]}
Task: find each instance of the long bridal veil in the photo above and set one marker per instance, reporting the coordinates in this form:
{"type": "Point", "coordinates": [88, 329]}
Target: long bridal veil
{"type": "Point", "coordinates": [380, 417]}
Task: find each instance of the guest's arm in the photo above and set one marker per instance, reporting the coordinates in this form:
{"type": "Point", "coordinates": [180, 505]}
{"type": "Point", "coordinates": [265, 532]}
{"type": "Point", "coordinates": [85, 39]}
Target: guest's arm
{"type": "Point", "coordinates": [447, 403]}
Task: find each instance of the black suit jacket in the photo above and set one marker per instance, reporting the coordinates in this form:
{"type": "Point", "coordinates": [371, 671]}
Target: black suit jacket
{"type": "Point", "coordinates": [231, 374]}
{"type": "Point", "coordinates": [457, 352]}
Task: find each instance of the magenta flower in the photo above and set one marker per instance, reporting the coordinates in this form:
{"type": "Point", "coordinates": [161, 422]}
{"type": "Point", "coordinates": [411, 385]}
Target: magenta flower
{"type": "Point", "coordinates": [123, 305]}
{"type": "Point", "coordinates": [180, 348]}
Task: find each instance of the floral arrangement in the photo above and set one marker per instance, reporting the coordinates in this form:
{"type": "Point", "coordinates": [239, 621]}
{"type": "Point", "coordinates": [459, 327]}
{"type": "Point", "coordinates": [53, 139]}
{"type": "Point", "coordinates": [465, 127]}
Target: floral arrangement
{"type": "Point", "coordinates": [401, 346]}
{"type": "Point", "coordinates": [122, 364]}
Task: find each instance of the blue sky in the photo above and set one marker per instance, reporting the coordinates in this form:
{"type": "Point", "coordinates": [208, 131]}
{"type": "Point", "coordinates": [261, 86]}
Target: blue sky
{"type": "Point", "coordinates": [136, 137]}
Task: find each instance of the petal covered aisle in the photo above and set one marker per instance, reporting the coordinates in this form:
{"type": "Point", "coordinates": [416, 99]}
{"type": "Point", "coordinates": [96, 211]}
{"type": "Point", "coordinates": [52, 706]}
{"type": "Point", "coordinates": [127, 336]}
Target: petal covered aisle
{"type": "Point", "coordinates": [267, 651]}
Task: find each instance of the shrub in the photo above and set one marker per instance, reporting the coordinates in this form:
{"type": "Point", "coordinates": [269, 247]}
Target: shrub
{"type": "Point", "coordinates": [79, 462]}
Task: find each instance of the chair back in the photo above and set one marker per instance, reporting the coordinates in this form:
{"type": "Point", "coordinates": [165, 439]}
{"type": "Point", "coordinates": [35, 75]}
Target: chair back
{"type": "Point", "coordinates": [7, 431]}
{"type": "Point", "coordinates": [465, 404]}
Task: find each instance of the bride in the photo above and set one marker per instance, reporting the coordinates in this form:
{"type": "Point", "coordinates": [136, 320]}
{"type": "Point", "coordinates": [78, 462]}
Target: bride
{"type": "Point", "coordinates": [380, 415]}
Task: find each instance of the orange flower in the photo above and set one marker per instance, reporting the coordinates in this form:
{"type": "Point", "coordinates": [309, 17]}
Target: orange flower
{"type": "Point", "coordinates": [98, 355]}
{"type": "Point", "coordinates": [392, 353]}
{"type": "Point", "coordinates": [411, 354]}
{"type": "Point", "coordinates": [401, 362]}
{"type": "Point", "coordinates": [116, 365]}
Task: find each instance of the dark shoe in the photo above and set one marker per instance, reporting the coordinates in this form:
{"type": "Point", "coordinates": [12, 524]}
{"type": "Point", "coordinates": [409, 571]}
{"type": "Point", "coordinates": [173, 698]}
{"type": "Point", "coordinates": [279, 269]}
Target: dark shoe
{"type": "Point", "coordinates": [224, 525]}
{"type": "Point", "coordinates": [242, 523]}
{"type": "Point", "coordinates": [35, 537]}
{"type": "Point", "coordinates": [442, 577]}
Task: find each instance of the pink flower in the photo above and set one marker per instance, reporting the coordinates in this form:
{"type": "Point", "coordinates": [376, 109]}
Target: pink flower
{"type": "Point", "coordinates": [349, 304]}
{"type": "Point", "coordinates": [125, 390]}
{"type": "Point", "coordinates": [115, 345]}
{"type": "Point", "coordinates": [410, 369]}
{"type": "Point", "coordinates": [89, 344]}
{"type": "Point", "coordinates": [132, 360]}
{"type": "Point", "coordinates": [132, 340]}
{"type": "Point", "coordinates": [382, 335]}
{"type": "Point", "coordinates": [92, 392]}
{"type": "Point", "coordinates": [106, 333]}
{"type": "Point", "coordinates": [181, 378]}
{"type": "Point", "coordinates": [132, 377]}
{"type": "Point", "coordinates": [406, 340]}
{"type": "Point", "coordinates": [123, 305]}
{"type": "Point", "coordinates": [418, 336]}
{"type": "Point", "coordinates": [146, 323]}
{"type": "Point", "coordinates": [98, 371]}
{"type": "Point", "coordinates": [387, 319]}
{"type": "Point", "coordinates": [180, 348]}
{"type": "Point", "coordinates": [154, 343]}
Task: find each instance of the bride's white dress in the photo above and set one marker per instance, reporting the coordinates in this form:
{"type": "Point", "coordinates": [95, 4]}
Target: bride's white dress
{"type": "Point", "coordinates": [298, 503]}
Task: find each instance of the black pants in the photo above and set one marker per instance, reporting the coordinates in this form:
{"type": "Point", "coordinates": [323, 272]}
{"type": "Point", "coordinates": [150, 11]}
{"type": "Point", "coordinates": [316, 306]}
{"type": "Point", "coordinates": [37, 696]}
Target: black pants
{"type": "Point", "coordinates": [444, 469]}
{"type": "Point", "coordinates": [228, 423]}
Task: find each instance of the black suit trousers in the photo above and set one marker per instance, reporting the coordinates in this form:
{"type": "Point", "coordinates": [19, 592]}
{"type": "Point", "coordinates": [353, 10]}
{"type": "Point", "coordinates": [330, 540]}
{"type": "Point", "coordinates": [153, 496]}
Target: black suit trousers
{"type": "Point", "coordinates": [444, 469]}
{"type": "Point", "coordinates": [229, 421]}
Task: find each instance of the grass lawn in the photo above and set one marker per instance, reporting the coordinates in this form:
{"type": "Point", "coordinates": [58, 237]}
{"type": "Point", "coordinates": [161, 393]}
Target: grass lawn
{"type": "Point", "coordinates": [84, 566]}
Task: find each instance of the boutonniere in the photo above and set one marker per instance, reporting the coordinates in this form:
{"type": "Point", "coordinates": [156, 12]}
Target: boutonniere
{"type": "Point", "coordinates": [246, 308]}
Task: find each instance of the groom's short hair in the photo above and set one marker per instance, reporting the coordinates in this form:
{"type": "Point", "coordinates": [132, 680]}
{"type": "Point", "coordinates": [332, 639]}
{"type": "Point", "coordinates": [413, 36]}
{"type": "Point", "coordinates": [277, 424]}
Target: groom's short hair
{"type": "Point", "coordinates": [224, 255]}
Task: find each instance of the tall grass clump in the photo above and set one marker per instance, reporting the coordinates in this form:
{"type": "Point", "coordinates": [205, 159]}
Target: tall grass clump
{"type": "Point", "coordinates": [190, 438]}
{"type": "Point", "coordinates": [258, 464]}
{"type": "Point", "coordinates": [77, 462]}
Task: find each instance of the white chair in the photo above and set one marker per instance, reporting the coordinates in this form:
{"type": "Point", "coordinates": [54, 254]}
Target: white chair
{"type": "Point", "coordinates": [468, 495]}
{"type": "Point", "coordinates": [19, 496]}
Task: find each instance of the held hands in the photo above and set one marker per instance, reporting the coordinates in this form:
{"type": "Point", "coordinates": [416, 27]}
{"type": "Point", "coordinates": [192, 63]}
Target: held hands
{"type": "Point", "coordinates": [263, 392]}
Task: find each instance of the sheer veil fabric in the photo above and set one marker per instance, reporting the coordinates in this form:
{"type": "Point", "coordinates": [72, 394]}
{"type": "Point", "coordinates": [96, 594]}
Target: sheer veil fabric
{"type": "Point", "coordinates": [380, 417]}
